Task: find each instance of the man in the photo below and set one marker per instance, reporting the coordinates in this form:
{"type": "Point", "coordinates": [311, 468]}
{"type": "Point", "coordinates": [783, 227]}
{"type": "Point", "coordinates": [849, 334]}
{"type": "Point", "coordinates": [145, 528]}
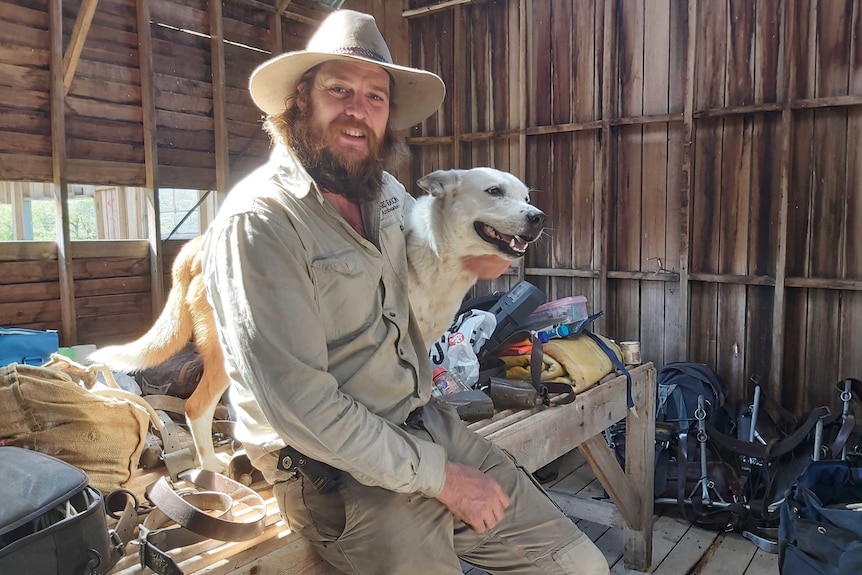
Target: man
{"type": "Point", "coordinates": [306, 269]}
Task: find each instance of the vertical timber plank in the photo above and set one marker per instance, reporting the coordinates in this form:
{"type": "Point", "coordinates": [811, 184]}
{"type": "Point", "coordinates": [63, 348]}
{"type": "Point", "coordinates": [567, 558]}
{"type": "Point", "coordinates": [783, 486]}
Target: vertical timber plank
{"type": "Point", "coordinates": [851, 314]}
{"type": "Point", "coordinates": [799, 198]}
{"type": "Point", "coordinates": [69, 331]}
{"type": "Point", "coordinates": [222, 155]}
{"type": "Point", "coordinates": [460, 82]}
{"type": "Point", "coordinates": [766, 194]}
{"type": "Point", "coordinates": [603, 193]}
{"type": "Point", "coordinates": [502, 78]}
{"type": "Point", "coordinates": [675, 323]}
{"type": "Point", "coordinates": [710, 93]}
{"type": "Point", "coordinates": [151, 156]}
{"type": "Point", "coordinates": [566, 66]}
{"type": "Point", "coordinates": [830, 161]}
{"type": "Point", "coordinates": [585, 204]}
{"type": "Point", "coordinates": [655, 189]}
{"type": "Point", "coordinates": [779, 305]}
{"type": "Point", "coordinates": [686, 187]}
{"type": "Point", "coordinates": [734, 199]}
{"type": "Point", "coordinates": [539, 146]}
{"type": "Point", "coordinates": [627, 213]}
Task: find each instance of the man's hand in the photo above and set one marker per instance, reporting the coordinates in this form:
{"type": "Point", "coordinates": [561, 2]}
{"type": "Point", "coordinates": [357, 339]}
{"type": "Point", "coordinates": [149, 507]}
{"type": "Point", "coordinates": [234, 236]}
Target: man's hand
{"type": "Point", "coordinates": [486, 267]}
{"type": "Point", "coordinates": [473, 497]}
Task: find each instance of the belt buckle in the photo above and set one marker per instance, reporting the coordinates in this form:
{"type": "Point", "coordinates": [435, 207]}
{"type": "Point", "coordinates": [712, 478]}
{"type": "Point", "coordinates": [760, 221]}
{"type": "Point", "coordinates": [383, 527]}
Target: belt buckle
{"type": "Point", "coordinates": [287, 464]}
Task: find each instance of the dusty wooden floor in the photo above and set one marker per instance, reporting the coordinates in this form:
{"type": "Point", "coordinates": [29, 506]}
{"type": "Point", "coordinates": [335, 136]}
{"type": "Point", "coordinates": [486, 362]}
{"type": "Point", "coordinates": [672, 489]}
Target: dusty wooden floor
{"type": "Point", "coordinates": [678, 547]}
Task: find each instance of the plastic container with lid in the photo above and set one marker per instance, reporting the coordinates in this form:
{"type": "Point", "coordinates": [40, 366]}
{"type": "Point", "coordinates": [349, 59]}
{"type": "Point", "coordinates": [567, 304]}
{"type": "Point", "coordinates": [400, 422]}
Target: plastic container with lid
{"type": "Point", "coordinates": [566, 310]}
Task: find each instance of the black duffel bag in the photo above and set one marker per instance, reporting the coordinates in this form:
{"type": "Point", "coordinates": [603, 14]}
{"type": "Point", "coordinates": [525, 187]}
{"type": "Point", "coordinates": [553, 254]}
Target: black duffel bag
{"type": "Point", "coordinates": [52, 522]}
{"type": "Point", "coordinates": [820, 530]}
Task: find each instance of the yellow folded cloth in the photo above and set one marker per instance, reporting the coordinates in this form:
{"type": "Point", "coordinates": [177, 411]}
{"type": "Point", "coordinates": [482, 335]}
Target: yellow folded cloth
{"type": "Point", "coordinates": [518, 367]}
{"type": "Point", "coordinates": [579, 361]}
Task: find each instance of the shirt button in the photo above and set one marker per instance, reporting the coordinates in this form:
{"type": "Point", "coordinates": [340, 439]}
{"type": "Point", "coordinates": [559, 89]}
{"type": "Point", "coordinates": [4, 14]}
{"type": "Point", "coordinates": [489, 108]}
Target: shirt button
{"type": "Point", "coordinates": [401, 351]}
{"type": "Point", "coordinates": [392, 314]}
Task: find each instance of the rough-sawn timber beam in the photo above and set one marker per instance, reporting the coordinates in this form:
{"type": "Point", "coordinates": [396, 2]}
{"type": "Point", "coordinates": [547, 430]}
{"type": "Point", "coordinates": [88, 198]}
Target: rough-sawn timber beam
{"type": "Point", "coordinates": [76, 42]}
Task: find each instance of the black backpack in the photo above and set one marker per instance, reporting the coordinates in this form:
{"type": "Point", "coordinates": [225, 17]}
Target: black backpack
{"type": "Point", "coordinates": [679, 385]}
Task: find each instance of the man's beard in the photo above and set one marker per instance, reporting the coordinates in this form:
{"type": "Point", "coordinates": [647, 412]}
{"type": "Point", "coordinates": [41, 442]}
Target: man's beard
{"type": "Point", "coordinates": [356, 180]}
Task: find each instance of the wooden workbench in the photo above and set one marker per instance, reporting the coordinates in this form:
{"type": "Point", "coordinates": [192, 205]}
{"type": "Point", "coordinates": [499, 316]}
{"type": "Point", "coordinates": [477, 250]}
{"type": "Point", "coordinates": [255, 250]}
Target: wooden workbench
{"type": "Point", "coordinates": [534, 437]}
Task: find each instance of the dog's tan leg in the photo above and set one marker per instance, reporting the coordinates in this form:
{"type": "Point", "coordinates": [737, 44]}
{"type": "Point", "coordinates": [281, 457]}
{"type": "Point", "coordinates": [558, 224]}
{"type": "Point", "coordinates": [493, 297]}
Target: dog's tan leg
{"type": "Point", "coordinates": [200, 409]}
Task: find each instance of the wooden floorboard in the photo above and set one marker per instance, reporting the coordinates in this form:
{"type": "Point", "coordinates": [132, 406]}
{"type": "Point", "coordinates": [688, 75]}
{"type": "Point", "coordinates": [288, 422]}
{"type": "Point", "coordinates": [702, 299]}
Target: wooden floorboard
{"type": "Point", "coordinates": [679, 548]}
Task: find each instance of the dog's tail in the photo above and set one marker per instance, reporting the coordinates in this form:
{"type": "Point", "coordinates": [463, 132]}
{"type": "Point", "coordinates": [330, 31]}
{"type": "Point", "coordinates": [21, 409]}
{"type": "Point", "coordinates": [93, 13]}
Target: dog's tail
{"type": "Point", "coordinates": [173, 328]}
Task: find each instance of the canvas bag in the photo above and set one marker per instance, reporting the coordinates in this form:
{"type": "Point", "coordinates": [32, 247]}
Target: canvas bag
{"type": "Point", "coordinates": [48, 410]}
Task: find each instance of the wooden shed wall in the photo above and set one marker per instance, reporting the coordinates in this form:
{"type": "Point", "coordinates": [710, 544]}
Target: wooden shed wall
{"type": "Point", "coordinates": [106, 102]}
{"type": "Point", "coordinates": [699, 159]}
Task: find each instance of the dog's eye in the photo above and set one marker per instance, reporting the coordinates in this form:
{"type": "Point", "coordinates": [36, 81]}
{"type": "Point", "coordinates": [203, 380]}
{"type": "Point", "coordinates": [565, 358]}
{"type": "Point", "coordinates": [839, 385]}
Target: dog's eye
{"type": "Point", "coordinates": [495, 191]}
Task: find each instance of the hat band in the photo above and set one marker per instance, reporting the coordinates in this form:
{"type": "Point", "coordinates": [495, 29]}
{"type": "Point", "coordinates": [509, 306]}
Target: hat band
{"type": "Point", "coordinates": [362, 52]}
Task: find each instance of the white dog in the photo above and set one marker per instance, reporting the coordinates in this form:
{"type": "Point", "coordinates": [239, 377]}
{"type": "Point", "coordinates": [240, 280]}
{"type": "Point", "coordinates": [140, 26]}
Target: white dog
{"type": "Point", "coordinates": [474, 212]}
{"type": "Point", "coordinates": [467, 213]}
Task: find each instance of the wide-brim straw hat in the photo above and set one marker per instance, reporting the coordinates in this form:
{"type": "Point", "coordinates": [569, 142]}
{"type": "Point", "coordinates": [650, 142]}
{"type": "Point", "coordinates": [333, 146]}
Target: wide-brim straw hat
{"type": "Point", "coordinates": [348, 36]}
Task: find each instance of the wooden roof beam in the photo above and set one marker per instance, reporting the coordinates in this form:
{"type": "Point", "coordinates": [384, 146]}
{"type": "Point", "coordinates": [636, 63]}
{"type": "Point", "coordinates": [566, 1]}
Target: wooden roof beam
{"type": "Point", "coordinates": [299, 13]}
{"type": "Point", "coordinates": [435, 7]}
{"type": "Point", "coordinates": [76, 42]}
{"type": "Point", "coordinates": [282, 6]}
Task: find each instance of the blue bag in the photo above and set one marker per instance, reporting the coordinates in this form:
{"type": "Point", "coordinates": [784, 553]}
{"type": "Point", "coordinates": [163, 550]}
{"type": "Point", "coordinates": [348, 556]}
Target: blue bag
{"type": "Point", "coordinates": [29, 346]}
{"type": "Point", "coordinates": [817, 533]}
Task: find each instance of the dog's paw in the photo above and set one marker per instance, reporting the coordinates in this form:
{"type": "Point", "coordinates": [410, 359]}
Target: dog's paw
{"type": "Point", "coordinates": [217, 462]}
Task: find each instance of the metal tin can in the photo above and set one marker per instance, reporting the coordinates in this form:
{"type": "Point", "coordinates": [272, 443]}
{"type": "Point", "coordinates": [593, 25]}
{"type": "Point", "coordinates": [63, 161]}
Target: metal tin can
{"type": "Point", "coordinates": [631, 352]}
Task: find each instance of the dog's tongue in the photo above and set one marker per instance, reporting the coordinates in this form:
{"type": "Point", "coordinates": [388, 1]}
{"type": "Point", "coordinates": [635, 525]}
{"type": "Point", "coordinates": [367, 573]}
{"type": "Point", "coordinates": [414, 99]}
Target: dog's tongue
{"type": "Point", "coordinates": [517, 244]}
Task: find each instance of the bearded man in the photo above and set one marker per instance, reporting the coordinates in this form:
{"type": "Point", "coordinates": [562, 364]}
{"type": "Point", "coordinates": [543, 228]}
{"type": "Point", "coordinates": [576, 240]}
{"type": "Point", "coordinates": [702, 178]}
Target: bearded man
{"type": "Point", "coordinates": [306, 270]}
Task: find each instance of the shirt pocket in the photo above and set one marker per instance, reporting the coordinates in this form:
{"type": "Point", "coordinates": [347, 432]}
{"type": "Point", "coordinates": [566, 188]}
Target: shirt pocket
{"type": "Point", "coordinates": [345, 295]}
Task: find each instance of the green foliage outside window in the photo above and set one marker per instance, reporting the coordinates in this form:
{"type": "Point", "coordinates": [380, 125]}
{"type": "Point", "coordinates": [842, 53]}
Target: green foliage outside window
{"type": "Point", "coordinates": [82, 220]}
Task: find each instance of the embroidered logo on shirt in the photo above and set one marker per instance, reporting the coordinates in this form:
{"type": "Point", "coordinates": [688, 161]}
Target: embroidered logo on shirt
{"type": "Point", "coordinates": [388, 206]}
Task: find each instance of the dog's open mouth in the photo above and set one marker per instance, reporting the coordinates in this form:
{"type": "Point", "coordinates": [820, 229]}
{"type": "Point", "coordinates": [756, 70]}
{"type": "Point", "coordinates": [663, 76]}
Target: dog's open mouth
{"type": "Point", "coordinates": [512, 245]}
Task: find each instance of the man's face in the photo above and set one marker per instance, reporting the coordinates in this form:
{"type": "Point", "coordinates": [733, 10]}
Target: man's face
{"type": "Point", "coordinates": [349, 104]}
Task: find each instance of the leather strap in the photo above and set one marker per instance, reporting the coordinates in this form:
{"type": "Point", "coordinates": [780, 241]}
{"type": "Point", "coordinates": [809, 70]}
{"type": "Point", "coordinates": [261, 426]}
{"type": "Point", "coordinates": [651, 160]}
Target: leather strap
{"type": "Point", "coordinates": [167, 403]}
{"type": "Point", "coordinates": [544, 388]}
{"type": "Point", "coordinates": [156, 537]}
{"type": "Point", "coordinates": [178, 447]}
{"type": "Point", "coordinates": [184, 513]}
{"type": "Point", "coordinates": [772, 450]}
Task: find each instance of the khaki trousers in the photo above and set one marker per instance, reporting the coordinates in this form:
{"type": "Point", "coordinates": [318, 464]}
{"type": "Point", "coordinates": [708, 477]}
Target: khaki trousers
{"type": "Point", "coordinates": [372, 531]}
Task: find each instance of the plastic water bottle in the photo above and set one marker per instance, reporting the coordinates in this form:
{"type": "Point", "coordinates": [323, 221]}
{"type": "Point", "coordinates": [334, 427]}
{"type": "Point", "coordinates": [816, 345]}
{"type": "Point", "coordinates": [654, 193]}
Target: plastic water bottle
{"type": "Point", "coordinates": [447, 382]}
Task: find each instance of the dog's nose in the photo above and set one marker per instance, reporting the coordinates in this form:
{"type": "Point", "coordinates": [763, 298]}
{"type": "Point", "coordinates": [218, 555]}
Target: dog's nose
{"type": "Point", "coordinates": [536, 219]}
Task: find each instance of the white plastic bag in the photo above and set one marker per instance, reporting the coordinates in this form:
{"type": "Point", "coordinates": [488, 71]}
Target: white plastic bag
{"type": "Point", "coordinates": [456, 349]}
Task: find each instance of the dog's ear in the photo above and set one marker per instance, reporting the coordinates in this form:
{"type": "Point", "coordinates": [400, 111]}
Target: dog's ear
{"type": "Point", "coordinates": [439, 182]}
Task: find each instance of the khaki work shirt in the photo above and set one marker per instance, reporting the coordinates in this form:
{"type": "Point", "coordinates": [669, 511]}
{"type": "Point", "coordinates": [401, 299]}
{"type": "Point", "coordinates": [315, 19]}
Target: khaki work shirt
{"type": "Point", "coordinates": [322, 349]}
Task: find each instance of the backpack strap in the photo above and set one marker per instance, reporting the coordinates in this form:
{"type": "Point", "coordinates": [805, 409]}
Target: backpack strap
{"type": "Point", "coordinates": [544, 388]}
{"type": "Point", "coordinates": [630, 403]}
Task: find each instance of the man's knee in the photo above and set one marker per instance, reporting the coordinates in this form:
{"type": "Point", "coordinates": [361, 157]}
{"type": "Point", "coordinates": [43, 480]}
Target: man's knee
{"type": "Point", "coordinates": [581, 557]}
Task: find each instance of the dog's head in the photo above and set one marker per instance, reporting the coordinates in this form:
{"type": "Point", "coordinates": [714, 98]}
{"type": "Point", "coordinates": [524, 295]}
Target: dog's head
{"type": "Point", "coordinates": [487, 210]}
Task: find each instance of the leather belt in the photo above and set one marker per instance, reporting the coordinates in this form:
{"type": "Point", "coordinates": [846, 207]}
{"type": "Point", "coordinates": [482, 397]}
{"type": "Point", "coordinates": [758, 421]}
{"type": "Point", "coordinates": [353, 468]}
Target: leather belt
{"type": "Point", "coordinates": [193, 524]}
{"type": "Point", "coordinates": [155, 538]}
